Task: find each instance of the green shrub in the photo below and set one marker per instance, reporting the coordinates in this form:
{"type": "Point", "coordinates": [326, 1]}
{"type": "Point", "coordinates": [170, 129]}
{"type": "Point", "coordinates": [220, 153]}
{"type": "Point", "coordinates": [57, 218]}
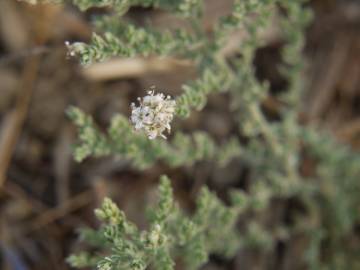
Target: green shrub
{"type": "Point", "coordinates": [274, 150]}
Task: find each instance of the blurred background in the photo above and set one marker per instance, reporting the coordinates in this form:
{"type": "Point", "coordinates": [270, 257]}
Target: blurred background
{"type": "Point", "coordinates": [45, 196]}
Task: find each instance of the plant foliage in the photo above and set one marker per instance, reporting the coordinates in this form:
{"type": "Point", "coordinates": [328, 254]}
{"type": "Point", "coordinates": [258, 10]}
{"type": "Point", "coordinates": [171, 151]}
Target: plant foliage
{"type": "Point", "coordinates": [274, 150]}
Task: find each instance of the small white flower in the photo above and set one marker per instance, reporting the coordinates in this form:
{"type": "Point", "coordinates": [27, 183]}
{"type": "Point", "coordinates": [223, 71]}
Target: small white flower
{"type": "Point", "coordinates": [74, 49]}
{"type": "Point", "coordinates": [153, 115]}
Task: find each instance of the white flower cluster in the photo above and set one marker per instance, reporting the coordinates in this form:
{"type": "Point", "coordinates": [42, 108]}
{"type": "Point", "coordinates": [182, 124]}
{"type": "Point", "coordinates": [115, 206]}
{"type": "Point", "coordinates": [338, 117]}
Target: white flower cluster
{"type": "Point", "coordinates": [74, 49]}
{"type": "Point", "coordinates": [154, 114]}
